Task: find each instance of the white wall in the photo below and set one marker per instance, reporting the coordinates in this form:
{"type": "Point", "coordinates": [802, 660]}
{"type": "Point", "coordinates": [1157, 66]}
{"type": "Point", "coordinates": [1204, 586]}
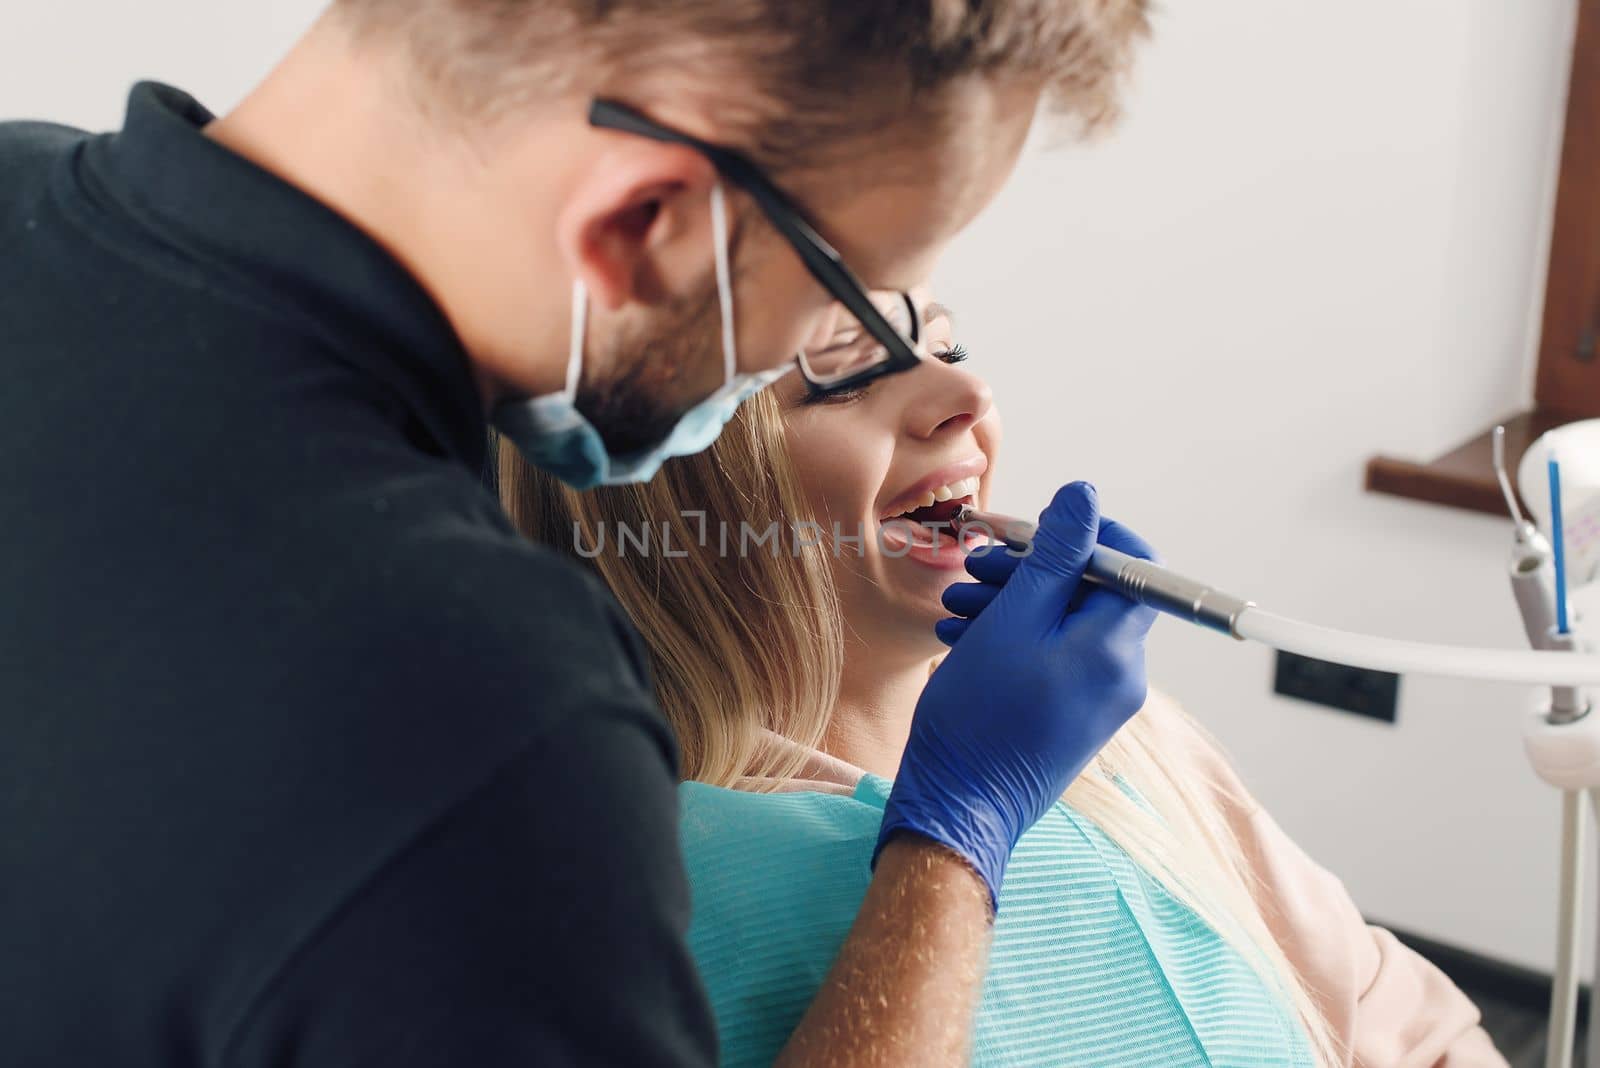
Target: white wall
{"type": "Point", "coordinates": [73, 61]}
{"type": "Point", "coordinates": [1319, 235]}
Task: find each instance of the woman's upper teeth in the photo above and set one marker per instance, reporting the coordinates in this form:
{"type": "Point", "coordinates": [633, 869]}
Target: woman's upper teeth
{"type": "Point", "coordinates": [961, 487]}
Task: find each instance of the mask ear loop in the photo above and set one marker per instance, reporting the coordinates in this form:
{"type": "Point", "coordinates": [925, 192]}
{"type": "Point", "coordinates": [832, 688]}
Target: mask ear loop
{"type": "Point", "coordinates": [580, 328]}
{"type": "Point", "coordinates": [719, 240]}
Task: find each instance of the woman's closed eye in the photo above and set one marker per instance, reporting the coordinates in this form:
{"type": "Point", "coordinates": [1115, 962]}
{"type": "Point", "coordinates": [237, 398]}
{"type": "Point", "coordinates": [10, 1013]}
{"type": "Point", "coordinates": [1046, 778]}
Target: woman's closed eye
{"type": "Point", "coordinates": [949, 354]}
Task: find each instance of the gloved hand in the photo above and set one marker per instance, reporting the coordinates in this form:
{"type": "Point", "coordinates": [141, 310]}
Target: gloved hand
{"type": "Point", "coordinates": [1043, 670]}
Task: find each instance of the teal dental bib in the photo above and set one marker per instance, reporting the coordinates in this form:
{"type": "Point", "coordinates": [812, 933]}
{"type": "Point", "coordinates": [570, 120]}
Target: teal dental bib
{"type": "Point", "coordinates": [1093, 962]}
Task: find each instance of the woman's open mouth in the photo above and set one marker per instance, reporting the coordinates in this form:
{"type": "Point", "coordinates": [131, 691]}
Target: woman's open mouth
{"type": "Point", "coordinates": [926, 532]}
{"type": "Point", "coordinates": [938, 517]}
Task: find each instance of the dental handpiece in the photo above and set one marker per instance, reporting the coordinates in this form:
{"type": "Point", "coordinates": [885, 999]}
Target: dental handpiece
{"type": "Point", "coordinates": [1153, 585]}
{"type": "Point", "coordinates": [1533, 583]}
{"type": "Point", "coordinates": [1139, 580]}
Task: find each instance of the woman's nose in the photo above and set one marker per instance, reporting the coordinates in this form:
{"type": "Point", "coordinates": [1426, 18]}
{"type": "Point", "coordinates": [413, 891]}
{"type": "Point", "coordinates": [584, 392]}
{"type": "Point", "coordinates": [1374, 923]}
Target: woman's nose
{"type": "Point", "coordinates": [945, 399]}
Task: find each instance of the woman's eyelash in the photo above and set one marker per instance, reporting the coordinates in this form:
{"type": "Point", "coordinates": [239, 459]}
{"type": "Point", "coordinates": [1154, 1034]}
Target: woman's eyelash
{"type": "Point", "coordinates": [953, 354]}
{"type": "Point", "coordinates": [843, 397]}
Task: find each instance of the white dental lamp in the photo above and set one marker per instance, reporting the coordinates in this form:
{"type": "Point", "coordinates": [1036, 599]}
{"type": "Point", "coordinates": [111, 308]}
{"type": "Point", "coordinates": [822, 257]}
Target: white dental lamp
{"type": "Point", "coordinates": [1561, 734]}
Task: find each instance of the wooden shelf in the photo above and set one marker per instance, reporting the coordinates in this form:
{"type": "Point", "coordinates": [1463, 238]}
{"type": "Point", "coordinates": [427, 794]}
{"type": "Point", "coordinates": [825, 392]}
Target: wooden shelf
{"type": "Point", "coordinates": [1567, 386]}
{"type": "Point", "coordinates": [1464, 476]}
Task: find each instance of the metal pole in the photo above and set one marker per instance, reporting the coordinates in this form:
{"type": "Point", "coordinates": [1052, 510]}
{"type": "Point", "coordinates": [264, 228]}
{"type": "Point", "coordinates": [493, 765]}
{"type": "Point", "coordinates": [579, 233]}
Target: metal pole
{"type": "Point", "coordinates": [1564, 989]}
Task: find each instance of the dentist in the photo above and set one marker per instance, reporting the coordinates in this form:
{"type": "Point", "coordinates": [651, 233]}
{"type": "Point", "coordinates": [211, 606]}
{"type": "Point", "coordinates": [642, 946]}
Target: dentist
{"type": "Point", "coordinates": [306, 758]}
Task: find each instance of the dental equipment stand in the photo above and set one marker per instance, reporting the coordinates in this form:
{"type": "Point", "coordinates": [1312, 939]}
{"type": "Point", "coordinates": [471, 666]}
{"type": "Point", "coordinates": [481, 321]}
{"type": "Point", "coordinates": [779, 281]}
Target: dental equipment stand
{"type": "Point", "coordinates": [1561, 738]}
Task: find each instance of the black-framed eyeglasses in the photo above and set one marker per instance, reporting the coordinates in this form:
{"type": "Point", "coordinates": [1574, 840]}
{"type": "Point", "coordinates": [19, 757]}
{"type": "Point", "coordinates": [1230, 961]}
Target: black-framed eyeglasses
{"type": "Point", "coordinates": [890, 328]}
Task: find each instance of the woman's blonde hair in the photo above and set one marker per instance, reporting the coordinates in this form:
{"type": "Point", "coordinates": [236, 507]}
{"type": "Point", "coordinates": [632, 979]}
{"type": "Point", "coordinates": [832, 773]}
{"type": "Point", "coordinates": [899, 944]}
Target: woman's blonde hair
{"type": "Point", "coordinates": [743, 622]}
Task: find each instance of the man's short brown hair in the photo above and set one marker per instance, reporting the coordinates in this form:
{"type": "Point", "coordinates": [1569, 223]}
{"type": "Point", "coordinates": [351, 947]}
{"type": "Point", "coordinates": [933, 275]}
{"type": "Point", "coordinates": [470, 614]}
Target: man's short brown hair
{"type": "Point", "coordinates": [787, 78]}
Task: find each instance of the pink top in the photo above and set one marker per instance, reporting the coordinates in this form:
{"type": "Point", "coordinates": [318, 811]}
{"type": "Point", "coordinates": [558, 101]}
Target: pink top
{"type": "Point", "coordinates": [1387, 1006]}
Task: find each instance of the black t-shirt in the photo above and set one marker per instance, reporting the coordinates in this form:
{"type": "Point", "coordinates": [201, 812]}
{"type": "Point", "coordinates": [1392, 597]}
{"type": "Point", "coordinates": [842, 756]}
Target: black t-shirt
{"type": "Point", "coordinates": [306, 758]}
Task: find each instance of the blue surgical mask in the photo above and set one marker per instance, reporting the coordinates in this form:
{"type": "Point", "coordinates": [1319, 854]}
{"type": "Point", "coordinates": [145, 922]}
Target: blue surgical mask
{"type": "Point", "coordinates": [554, 435]}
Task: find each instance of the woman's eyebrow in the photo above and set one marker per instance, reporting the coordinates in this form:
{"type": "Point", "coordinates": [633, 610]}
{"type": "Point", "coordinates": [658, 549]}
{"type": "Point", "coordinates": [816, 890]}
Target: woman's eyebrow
{"type": "Point", "coordinates": [935, 310]}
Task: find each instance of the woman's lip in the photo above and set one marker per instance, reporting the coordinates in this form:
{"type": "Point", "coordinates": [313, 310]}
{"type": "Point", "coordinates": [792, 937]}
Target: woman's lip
{"type": "Point", "coordinates": [912, 496]}
{"type": "Point", "coordinates": [944, 553]}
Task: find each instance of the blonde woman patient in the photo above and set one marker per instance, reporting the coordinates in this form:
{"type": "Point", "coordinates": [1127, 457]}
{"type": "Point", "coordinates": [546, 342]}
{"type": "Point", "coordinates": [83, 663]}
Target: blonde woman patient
{"type": "Point", "coordinates": [1156, 916]}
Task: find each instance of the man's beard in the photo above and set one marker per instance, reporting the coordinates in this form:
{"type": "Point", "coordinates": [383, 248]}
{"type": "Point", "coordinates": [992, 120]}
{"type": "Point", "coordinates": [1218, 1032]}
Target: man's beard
{"type": "Point", "coordinates": [639, 402]}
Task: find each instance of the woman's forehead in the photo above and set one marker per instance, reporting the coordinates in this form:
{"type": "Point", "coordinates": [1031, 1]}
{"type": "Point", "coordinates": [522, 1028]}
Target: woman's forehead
{"type": "Point", "coordinates": [922, 296]}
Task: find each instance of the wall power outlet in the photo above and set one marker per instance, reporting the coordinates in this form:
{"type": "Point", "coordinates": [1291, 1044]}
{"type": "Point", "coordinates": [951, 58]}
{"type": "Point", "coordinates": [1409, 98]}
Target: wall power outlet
{"type": "Point", "coordinates": [1349, 689]}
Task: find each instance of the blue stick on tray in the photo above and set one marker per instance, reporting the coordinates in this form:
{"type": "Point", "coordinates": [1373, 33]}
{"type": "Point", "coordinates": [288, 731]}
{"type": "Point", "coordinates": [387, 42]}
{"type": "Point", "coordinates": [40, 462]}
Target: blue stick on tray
{"type": "Point", "coordinates": [1557, 543]}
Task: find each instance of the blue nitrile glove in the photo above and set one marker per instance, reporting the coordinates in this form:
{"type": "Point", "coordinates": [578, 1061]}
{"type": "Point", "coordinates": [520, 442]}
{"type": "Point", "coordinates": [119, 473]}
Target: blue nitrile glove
{"type": "Point", "coordinates": [1043, 670]}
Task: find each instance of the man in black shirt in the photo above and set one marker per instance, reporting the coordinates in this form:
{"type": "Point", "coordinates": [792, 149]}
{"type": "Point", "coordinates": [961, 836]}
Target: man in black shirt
{"type": "Point", "coordinates": [305, 758]}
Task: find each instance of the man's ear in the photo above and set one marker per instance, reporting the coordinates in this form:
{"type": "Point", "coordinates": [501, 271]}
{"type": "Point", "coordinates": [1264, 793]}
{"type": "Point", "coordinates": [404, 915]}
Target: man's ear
{"type": "Point", "coordinates": [629, 202]}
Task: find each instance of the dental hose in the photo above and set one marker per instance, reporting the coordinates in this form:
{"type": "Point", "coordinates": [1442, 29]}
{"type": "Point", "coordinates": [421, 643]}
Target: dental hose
{"type": "Point", "coordinates": [1155, 586]}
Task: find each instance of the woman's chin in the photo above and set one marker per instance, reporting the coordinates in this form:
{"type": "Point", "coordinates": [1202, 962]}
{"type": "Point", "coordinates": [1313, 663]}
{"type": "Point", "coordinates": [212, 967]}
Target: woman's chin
{"type": "Point", "coordinates": [916, 586]}
{"type": "Point", "coordinates": [916, 613]}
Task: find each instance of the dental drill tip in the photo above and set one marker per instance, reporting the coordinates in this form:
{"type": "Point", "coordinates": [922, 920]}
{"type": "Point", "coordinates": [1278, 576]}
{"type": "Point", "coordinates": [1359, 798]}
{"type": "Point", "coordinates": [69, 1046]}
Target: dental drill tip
{"type": "Point", "coordinates": [1015, 534]}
